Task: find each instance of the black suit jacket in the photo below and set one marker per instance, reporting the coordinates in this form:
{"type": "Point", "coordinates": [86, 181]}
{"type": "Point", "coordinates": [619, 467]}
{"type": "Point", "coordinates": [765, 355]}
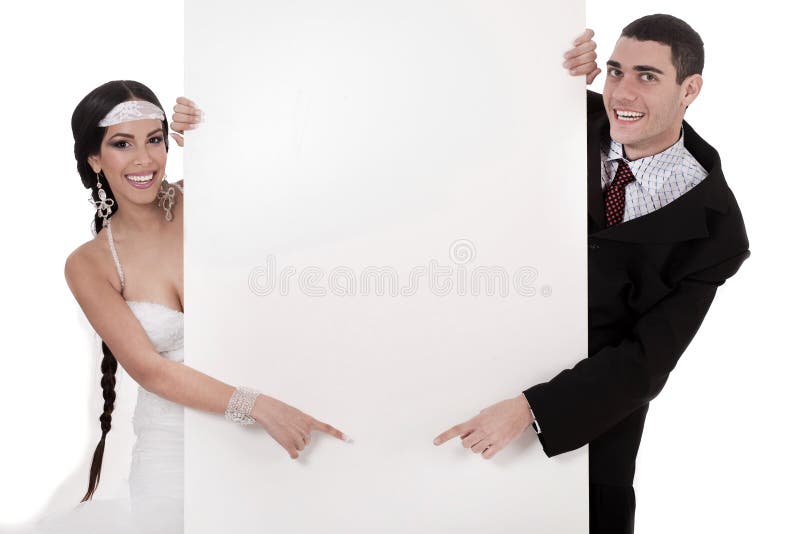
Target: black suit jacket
{"type": "Point", "coordinates": [651, 281]}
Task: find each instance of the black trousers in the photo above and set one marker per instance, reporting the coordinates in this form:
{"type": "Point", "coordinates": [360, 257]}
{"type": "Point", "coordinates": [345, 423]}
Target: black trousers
{"type": "Point", "coordinates": [611, 509]}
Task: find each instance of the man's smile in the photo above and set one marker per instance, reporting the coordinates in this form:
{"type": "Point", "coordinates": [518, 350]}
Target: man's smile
{"type": "Point", "coordinates": [627, 115]}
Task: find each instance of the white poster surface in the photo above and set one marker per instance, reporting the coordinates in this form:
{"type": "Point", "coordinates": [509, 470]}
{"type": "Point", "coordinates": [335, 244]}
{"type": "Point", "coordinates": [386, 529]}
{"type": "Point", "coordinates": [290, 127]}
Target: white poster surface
{"type": "Point", "coordinates": [385, 228]}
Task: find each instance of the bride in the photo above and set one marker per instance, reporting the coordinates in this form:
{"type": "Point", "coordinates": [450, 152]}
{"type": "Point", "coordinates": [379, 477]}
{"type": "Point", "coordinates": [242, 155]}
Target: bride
{"type": "Point", "coordinates": [128, 280]}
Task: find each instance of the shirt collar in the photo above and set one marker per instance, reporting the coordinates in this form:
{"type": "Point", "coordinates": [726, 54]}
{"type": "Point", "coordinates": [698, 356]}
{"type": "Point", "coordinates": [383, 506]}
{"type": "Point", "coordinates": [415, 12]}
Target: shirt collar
{"type": "Point", "coordinates": [645, 169]}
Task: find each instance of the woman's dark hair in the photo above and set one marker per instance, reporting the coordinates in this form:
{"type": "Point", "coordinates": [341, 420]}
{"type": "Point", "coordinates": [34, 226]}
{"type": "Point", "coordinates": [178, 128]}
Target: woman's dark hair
{"type": "Point", "coordinates": [88, 136]}
{"type": "Point", "coordinates": [686, 45]}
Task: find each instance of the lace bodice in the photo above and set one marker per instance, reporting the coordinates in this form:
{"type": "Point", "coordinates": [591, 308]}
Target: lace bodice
{"type": "Point", "coordinates": [163, 326]}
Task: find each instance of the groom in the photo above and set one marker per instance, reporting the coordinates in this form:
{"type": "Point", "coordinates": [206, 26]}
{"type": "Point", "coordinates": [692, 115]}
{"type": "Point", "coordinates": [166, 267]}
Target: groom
{"type": "Point", "coordinates": [664, 231]}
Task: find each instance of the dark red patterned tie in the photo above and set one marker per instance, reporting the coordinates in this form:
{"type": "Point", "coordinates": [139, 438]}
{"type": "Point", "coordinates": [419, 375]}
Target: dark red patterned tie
{"type": "Point", "coordinates": [614, 195]}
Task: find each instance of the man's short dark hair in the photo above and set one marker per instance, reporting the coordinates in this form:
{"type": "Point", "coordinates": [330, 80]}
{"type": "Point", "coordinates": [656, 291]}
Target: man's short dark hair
{"type": "Point", "coordinates": [686, 44]}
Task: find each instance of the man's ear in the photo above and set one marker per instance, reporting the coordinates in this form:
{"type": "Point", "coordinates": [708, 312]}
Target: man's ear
{"type": "Point", "coordinates": [690, 88]}
{"type": "Point", "coordinates": [94, 163]}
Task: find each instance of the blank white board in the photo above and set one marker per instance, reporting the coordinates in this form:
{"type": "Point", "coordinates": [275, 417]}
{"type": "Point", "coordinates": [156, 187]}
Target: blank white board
{"type": "Point", "coordinates": [385, 227]}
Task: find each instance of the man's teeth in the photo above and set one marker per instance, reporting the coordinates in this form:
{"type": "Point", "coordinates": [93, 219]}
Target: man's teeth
{"type": "Point", "coordinates": [629, 115]}
{"type": "Point", "coordinates": [140, 179]}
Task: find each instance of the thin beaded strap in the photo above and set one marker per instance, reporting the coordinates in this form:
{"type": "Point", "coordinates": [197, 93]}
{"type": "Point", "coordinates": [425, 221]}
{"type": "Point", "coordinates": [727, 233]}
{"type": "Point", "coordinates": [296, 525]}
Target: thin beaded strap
{"type": "Point", "coordinates": [114, 249]}
{"type": "Point", "coordinates": [114, 253]}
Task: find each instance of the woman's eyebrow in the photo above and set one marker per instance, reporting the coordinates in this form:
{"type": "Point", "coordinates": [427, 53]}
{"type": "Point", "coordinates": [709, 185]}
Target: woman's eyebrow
{"type": "Point", "coordinates": [129, 136]}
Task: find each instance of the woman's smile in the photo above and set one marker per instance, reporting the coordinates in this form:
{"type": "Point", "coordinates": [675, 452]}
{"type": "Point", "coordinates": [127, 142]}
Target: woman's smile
{"type": "Point", "coordinates": [140, 181]}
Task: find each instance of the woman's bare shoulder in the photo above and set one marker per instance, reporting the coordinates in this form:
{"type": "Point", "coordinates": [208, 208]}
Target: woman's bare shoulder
{"type": "Point", "coordinates": [89, 261]}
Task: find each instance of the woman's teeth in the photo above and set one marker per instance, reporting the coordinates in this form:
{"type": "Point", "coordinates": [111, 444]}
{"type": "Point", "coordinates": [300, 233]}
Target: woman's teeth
{"type": "Point", "coordinates": [140, 181]}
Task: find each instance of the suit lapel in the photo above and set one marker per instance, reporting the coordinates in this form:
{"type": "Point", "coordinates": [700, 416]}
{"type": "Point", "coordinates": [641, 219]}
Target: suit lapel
{"type": "Point", "coordinates": [597, 131]}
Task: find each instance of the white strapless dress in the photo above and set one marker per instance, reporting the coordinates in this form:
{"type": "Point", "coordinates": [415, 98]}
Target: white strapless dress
{"type": "Point", "coordinates": [155, 505]}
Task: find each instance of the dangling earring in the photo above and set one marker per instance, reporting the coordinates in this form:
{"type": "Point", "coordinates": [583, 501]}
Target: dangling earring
{"type": "Point", "coordinates": [104, 204]}
{"type": "Point", "coordinates": [166, 198]}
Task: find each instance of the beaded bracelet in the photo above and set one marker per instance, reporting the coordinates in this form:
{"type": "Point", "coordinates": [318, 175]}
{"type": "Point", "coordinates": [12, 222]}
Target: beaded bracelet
{"type": "Point", "coordinates": [240, 406]}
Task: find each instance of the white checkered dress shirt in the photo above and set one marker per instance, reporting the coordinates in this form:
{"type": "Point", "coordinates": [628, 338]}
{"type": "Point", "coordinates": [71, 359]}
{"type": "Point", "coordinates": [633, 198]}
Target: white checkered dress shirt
{"type": "Point", "coordinates": [659, 179]}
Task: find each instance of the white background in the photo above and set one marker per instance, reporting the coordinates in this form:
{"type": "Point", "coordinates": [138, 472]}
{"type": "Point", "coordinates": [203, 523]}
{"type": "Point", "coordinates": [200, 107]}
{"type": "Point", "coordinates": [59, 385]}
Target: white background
{"type": "Point", "coordinates": [719, 447]}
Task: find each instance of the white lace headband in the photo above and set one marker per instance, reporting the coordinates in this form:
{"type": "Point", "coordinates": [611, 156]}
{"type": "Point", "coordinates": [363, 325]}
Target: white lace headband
{"type": "Point", "coordinates": [132, 110]}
